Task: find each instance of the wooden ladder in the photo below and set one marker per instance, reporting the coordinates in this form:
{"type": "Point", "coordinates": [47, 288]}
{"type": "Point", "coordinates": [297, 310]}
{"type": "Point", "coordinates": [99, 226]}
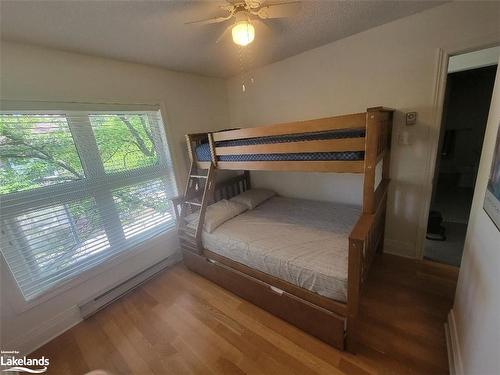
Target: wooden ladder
{"type": "Point", "coordinates": [198, 194]}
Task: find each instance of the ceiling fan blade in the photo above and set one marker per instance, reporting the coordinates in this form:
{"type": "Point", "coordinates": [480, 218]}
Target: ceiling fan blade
{"type": "Point", "coordinates": [210, 20]}
{"type": "Point", "coordinates": [261, 29]}
{"type": "Point", "coordinates": [224, 33]}
{"type": "Point", "coordinates": [279, 10]}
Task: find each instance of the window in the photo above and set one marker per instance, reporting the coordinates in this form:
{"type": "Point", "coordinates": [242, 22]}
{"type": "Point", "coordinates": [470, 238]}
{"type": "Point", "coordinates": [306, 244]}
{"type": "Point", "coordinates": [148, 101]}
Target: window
{"type": "Point", "coordinates": [77, 188]}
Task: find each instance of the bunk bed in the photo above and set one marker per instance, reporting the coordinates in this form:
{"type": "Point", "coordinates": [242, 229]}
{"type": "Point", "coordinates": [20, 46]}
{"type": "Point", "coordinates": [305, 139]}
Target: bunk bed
{"type": "Point", "coordinates": [356, 143]}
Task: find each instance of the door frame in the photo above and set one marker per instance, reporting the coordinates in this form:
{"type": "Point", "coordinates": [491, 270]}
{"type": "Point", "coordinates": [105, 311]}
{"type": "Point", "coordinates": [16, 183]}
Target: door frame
{"type": "Point", "coordinates": [442, 59]}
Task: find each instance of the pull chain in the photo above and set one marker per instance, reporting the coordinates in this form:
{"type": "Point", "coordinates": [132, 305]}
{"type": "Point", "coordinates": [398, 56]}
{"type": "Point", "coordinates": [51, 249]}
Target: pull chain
{"type": "Point", "coordinates": [244, 54]}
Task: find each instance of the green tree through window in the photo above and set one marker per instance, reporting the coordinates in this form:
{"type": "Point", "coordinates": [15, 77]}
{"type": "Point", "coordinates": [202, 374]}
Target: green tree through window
{"type": "Point", "coordinates": [35, 151]}
{"type": "Point", "coordinates": [77, 188]}
{"type": "Point", "coordinates": [125, 142]}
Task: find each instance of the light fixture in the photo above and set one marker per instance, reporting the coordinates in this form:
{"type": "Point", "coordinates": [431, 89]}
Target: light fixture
{"type": "Point", "coordinates": [243, 33]}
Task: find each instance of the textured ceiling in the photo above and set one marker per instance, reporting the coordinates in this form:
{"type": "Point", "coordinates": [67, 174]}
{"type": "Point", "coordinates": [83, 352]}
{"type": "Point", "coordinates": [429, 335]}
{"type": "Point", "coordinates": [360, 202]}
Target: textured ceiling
{"type": "Point", "coordinates": [153, 32]}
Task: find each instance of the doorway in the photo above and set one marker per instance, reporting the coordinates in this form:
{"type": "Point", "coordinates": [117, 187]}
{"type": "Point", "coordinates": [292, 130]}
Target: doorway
{"type": "Point", "coordinates": [469, 87]}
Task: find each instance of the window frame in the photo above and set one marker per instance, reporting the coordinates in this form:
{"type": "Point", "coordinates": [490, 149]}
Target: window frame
{"type": "Point", "coordinates": [92, 186]}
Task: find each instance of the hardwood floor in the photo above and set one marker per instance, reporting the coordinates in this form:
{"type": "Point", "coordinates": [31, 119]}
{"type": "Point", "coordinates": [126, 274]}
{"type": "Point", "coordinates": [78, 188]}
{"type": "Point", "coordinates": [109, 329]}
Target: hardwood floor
{"type": "Point", "coordinates": [180, 323]}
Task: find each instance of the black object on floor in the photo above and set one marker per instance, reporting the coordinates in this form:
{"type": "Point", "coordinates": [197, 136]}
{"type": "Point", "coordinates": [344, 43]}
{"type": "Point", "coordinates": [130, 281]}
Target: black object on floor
{"type": "Point", "coordinates": [435, 231]}
{"type": "Point", "coordinates": [449, 251]}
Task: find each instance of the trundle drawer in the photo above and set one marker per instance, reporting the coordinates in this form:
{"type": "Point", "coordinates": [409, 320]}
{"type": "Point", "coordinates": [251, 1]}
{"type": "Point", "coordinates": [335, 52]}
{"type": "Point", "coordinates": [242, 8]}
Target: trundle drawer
{"type": "Point", "coordinates": [315, 320]}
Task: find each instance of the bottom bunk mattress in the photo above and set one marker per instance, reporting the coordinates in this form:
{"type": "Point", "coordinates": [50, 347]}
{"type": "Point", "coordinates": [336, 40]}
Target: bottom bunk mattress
{"type": "Point", "coordinates": [300, 241]}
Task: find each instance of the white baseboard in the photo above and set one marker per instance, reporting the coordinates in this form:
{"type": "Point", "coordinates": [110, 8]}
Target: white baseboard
{"type": "Point", "coordinates": [57, 325]}
{"type": "Point", "coordinates": [400, 248]}
{"type": "Point", "coordinates": [117, 291]}
{"type": "Point", "coordinates": [454, 356]}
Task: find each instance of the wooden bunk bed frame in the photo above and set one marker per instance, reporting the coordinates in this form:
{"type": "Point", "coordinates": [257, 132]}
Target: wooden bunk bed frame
{"type": "Point", "coordinates": [331, 321]}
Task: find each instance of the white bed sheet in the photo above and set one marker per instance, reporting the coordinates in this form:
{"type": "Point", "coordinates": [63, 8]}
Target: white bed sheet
{"type": "Point", "coordinates": [301, 241]}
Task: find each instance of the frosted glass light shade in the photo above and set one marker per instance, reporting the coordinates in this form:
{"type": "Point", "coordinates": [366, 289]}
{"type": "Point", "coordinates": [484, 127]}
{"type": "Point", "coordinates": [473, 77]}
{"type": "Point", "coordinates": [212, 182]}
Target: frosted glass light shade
{"type": "Point", "coordinates": [243, 33]}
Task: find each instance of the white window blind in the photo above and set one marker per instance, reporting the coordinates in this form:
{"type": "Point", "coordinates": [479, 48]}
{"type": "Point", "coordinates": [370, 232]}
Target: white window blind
{"type": "Point", "coordinates": [77, 188]}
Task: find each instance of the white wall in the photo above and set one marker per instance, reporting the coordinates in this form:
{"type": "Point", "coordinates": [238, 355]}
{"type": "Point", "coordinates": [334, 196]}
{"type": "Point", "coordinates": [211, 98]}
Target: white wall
{"type": "Point", "coordinates": [477, 301]}
{"type": "Point", "coordinates": [192, 104]}
{"type": "Point", "coordinates": [393, 65]}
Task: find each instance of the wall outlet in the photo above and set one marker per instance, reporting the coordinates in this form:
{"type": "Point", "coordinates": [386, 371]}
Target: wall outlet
{"type": "Point", "coordinates": [411, 118]}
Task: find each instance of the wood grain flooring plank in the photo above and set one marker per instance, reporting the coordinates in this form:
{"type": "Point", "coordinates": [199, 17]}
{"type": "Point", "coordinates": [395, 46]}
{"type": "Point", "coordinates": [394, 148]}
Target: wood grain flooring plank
{"type": "Point", "coordinates": [181, 323]}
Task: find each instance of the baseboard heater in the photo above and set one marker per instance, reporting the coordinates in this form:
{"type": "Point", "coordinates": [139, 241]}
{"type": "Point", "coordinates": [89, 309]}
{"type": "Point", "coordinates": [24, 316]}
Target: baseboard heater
{"type": "Point", "coordinates": [92, 306]}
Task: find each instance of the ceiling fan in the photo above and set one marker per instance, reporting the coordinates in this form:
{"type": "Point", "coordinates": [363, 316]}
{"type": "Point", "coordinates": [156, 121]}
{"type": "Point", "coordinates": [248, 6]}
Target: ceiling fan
{"type": "Point", "coordinates": [246, 13]}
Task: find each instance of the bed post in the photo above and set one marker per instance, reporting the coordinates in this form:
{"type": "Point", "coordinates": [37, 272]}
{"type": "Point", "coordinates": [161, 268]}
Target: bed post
{"type": "Point", "coordinates": [371, 145]}
{"type": "Point", "coordinates": [356, 245]}
{"type": "Point", "coordinates": [353, 290]}
{"type": "Point", "coordinates": [367, 237]}
{"type": "Point", "coordinates": [382, 191]}
{"type": "Point", "coordinates": [190, 148]}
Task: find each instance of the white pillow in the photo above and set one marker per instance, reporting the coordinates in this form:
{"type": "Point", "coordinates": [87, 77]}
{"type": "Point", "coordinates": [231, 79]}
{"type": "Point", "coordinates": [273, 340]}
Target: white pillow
{"type": "Point", "coordinates": [216, 215]}
{"type": "Point", "coordinates": [253, 197]}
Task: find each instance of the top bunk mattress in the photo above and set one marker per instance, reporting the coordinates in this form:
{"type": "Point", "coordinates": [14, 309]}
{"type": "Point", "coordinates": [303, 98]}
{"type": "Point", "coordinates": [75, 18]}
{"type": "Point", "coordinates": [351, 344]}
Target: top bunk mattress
{"type": "Point", "coordinates": [203, 150]}
{"type": "Point", "coordinates": [300, 241]}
